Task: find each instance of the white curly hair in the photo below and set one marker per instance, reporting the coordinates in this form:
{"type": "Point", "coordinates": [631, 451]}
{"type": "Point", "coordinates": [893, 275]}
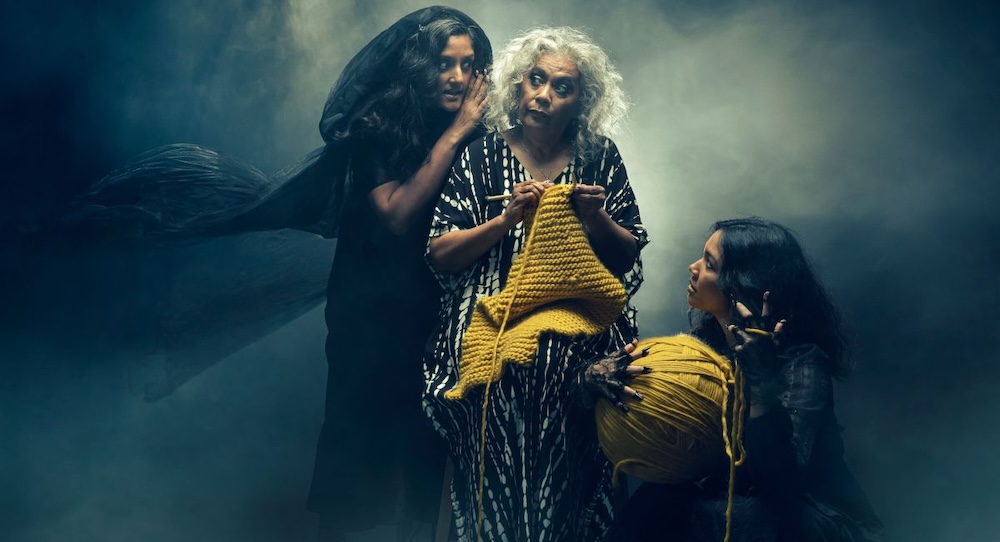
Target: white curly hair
{"type": "Point", "coordinates": [603, 104]}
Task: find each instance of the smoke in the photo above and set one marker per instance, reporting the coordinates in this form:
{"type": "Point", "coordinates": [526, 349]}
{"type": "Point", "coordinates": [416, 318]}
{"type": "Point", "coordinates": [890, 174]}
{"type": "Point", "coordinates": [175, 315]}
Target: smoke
{"type": "Point", "coordinates": [870, 130]}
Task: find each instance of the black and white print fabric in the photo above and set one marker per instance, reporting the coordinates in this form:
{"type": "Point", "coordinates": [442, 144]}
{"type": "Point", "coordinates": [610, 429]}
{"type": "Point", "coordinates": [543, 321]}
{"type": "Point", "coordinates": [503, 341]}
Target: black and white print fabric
{"type": "Point", "coordinates": [545, 476]}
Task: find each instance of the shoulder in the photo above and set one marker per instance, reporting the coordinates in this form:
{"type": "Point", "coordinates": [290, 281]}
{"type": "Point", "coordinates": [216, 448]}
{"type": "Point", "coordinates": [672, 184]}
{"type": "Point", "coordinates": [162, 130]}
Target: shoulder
{"type": "Point", "coordinates": [486, 146]}
{"type": "Point", "coordinates": [604, 152]}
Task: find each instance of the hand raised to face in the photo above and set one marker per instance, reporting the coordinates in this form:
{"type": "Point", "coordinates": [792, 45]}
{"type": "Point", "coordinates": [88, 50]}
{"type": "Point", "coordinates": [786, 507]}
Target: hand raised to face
{"type": "Point", "coordinates": [473, 105]}
{"type": "Point", "coordinates": [751, 329]}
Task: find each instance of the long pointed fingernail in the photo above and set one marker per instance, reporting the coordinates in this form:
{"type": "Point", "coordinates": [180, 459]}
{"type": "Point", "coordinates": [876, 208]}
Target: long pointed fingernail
{"type": "Point", "coordinates": [637, 395]}
{"type": "Point", "coordinates": [647, 370]}
{"type": "Point", "coordinates": [623, 406]}
{"type": "Point", "coordinates": [645, 351]}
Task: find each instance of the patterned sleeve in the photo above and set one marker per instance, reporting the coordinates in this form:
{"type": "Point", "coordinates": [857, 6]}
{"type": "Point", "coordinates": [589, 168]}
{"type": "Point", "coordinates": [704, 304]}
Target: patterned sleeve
{"type": "Point", "coordinates": [624, 210]}
{"type": "Point", "coordinates": [808, 397]}
{"type": "Point", "coordinates": [461, 204]}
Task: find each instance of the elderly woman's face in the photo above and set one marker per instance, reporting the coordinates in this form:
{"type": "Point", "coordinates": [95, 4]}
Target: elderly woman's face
{"type": "Point", "coordinates": [550, 94]}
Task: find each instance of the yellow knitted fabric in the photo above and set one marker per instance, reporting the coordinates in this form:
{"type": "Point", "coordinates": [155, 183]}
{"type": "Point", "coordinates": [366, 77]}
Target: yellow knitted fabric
{"type": "Point", "coordinates": [557, 284]}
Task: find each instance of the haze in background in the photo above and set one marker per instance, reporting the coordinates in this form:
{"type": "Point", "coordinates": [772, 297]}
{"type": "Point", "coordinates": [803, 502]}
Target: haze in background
{"type": "Point", "coordinates": [871, 131]}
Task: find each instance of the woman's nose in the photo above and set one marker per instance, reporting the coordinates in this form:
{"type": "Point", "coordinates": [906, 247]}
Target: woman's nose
{"type": "Point", "coordinates": [543, 95]}
{"type": "Point", "coordinates": [692, 268]}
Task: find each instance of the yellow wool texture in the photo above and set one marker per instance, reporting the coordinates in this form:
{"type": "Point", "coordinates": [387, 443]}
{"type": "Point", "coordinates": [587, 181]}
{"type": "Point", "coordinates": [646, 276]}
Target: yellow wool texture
{"type": "Point", "coordinates": [676, 433]}
{"type": "Point", "coordinates": [556, 285]}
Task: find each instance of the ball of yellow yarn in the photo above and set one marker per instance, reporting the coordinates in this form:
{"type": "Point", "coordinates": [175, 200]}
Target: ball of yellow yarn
{"type": "Point", "coordinates": [675, 434]}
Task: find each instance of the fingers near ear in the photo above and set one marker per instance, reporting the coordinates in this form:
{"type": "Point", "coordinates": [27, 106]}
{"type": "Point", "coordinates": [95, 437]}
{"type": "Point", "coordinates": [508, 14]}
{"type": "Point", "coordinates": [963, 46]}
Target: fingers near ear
{"type": "Point", "coordinates": [743, 310]}
{"type": "Point", "coordinates": [735, 330]}
{"type": "Point", "coordinates": [780, 326]}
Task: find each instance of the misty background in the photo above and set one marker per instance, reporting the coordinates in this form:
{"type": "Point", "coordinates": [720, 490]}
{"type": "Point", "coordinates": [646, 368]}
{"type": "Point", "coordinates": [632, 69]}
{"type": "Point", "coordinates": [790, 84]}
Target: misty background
{"type": "Point", "coordinates": [869, 128]}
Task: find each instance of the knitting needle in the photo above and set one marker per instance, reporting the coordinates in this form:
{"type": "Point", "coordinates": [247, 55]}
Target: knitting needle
{"type": "Point", "coordinates": [501, 197]}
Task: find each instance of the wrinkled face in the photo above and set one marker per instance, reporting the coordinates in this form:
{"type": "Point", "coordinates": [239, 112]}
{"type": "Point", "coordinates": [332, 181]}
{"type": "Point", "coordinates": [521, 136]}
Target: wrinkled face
{"type": "Point", "coordinates": [454, 72]}
{"type": "Point", "coordinates": [703, 289]}
{"type": "Point", "coordinates": [550, 94]}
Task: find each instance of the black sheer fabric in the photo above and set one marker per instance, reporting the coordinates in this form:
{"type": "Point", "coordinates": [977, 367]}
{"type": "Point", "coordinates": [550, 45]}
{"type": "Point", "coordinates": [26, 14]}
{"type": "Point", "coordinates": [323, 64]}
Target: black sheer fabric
{"type": "Point", "coordinates": [183, 190]}
{"type": "Point", "coordinates": [179, 201]}
{"type": "Point", "coordinates": [377, 458]}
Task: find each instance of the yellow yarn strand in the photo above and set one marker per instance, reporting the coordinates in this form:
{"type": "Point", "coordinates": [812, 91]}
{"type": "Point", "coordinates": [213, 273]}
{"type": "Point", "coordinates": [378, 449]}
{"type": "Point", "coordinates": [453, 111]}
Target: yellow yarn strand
{"type": "Point", "coordinates": [486, 392]}
{"type": "Point", "coordinates": [690, 420]}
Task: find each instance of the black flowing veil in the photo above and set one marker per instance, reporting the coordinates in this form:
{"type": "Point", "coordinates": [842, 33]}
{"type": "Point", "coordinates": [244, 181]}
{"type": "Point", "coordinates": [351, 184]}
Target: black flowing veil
{"type": "Point", "coordinates": [184, 201]}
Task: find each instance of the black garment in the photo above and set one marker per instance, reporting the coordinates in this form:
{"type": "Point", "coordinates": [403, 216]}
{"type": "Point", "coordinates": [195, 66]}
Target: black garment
{"type": "Point", "coordinates": [375, 449]}
{"type": "Point", "coordinates": [794, 486]}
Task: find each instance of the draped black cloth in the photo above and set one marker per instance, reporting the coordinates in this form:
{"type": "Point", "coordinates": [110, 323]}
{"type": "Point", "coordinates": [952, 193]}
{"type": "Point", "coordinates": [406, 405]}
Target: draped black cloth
{"type": "Point", "coordinates": [184, 191]}
{"type": "Point", "coordinates": [377, 457]}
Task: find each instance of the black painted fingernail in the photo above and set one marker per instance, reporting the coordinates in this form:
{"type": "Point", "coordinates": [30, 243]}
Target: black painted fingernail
{"type": "Point", "coordinates": [637, 395]}
{"type": "Point", "coordinates": [645, 351]}
{"type": "Point", "coordinates": [647, 370]}
{"type": "Point", "coordinates": [623, 406]}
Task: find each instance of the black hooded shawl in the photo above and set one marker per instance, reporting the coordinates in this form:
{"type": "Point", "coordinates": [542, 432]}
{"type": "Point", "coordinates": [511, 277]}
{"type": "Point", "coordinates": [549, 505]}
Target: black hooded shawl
{"type": "Point", "coordinates": [187, 191]}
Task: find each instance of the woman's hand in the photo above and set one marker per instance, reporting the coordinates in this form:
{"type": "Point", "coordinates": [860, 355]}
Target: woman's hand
{"type": "Point", "coordinates": [756, 333]}
{"type": "Point", "coordinates": [588, 200]}
{"type": "Point", "coordinates": [758, 339]}
{"type": "Point", "coordinates": [525, 196]}
{"type": "Point", "coordinates": [473, 105]}
{"type": "Point", "coordinates": [606, 378]}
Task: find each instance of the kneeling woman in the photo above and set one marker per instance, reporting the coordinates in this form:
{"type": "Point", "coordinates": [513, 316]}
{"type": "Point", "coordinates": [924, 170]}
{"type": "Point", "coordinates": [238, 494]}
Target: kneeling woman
{"type": "Point", "coordinates": [756, 300]}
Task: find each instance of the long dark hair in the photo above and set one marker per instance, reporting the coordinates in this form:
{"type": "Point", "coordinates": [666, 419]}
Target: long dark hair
{"type": "Point", "coordinates": [403, 116]}
{"type": "Point", "coordinates": [762, 256]}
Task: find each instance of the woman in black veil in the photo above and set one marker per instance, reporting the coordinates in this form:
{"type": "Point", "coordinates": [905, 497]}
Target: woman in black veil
{"type": "Point", "coordinates": [394, 122]}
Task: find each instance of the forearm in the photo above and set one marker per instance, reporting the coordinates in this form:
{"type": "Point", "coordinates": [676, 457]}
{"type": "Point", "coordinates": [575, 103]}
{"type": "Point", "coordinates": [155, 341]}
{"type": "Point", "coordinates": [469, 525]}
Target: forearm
{"type": "Point", "coordinates": [399, 203]}
{"type": "Point", "coordinates": [455, 251]}
{"type": "Point", "coordinates": [613, 244]}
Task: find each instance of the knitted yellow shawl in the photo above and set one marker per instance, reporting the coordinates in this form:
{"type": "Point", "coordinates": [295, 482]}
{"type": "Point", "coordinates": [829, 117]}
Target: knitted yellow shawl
{"type": "Point", "coordinates": [556, 285]}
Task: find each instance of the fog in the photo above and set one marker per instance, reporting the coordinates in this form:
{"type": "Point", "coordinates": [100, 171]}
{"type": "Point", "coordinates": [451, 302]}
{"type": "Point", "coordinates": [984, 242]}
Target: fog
{"type": "Point", "coordinates": [869, 129]}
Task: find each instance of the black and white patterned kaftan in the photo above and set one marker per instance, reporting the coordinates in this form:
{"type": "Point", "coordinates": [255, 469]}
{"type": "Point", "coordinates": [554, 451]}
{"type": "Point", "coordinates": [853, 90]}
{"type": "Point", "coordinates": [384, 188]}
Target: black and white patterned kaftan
{"type": "Point", "coordinates": [545, 477]}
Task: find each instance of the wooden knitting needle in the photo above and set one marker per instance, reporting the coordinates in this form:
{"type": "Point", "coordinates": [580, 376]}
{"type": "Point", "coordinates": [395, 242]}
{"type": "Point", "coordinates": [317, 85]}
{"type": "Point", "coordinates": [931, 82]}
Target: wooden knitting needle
{"type": "Point", "coordinates": [501, 197]}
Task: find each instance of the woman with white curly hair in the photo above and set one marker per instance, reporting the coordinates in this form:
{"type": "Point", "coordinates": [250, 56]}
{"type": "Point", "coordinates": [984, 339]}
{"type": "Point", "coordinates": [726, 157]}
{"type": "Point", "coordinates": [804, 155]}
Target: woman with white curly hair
{"type": "Point", "coordinates": [529, 467]}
